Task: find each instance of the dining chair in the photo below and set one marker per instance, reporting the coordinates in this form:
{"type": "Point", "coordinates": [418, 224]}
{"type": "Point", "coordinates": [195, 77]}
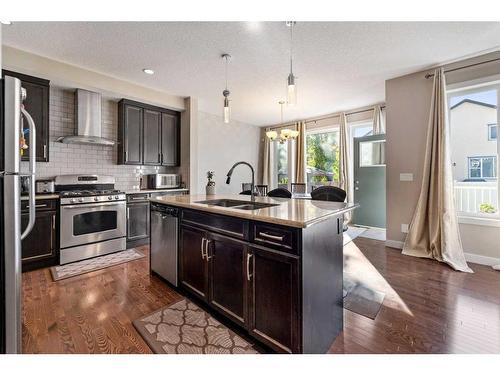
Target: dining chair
{"type": "Point", "coordinates": [331, 194]}
{"type": "Point", "coordinates": [261, 190]}
{"type": "Point", "coordinates": [279, 193]}
{"type": "Point", "coordinates": [298, 187]}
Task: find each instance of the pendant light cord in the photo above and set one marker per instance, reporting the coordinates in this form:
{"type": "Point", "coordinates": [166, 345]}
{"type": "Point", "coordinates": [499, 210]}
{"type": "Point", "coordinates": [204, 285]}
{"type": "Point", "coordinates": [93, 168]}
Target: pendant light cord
{"type": "Point", "coordinates": [291, 47]}
{"type": "Point", "coordinates": [226, 70]}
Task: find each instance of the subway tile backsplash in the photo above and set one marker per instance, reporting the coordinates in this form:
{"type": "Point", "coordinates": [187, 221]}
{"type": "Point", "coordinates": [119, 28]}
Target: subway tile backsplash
{"type": "Point", "coordinates": [87, 159]}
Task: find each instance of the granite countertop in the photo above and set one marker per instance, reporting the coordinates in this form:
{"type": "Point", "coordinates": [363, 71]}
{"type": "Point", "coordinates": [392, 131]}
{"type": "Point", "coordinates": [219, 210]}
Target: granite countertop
{"type": "Point", "coordinates": [41, 196]}
{"type": "Point", "coordinates": [299, 213]}
{"type": "Point", "coordinates": [138, 191]}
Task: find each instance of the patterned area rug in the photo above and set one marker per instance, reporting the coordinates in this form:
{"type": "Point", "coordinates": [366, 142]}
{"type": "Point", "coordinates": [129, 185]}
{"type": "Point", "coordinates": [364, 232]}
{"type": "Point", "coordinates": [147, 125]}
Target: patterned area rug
{"type": "Point", "coordinates": [184, 328]}
{"type": "Point", "coordinates": [94, 264]}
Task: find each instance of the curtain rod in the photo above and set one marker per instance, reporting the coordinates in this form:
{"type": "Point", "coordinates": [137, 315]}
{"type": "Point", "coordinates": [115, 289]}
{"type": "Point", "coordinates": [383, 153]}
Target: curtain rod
{"type": "Point", "coordinates": [324, 117]}
{"type": "Point", "coordinates": [430, 75]}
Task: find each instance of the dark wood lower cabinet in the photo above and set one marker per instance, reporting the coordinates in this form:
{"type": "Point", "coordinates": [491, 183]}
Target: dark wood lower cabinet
{"type": "Point", "coordinates": [193, 266]}
{"type": "Point", "coordinates": [39, 248]}
{"type": "Point", "coordinates": [286, 293]}
{"type": "Point", "coordinates": [228, 278]}
{"type": "Point", "coordinates": [274, 299]}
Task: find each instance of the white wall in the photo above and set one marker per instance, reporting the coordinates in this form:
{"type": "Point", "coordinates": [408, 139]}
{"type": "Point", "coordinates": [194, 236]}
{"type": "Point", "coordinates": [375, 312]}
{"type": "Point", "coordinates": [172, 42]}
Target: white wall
{"type": "Point", "coordinates": [220, 145]}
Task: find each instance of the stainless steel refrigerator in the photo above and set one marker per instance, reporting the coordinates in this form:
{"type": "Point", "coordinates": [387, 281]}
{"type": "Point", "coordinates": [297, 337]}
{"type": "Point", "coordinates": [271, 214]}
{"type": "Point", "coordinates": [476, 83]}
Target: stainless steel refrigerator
{"type": "Point", "coordinates": [18, 135]}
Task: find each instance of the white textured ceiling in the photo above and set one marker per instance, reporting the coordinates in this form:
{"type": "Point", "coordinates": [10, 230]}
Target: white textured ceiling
{"type": "Point", "coordinates": [339, 65]}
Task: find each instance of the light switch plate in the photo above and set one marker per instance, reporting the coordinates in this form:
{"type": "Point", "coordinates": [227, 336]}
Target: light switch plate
{"type": "Point", "coordinates": [404, 228]}
{"type": "Point", "coordinates": [406, 177]}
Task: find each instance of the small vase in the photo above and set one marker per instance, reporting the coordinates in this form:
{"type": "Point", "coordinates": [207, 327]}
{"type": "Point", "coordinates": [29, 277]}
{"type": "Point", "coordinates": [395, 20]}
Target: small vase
{"type": "Point", "coordinates": [210, 189]}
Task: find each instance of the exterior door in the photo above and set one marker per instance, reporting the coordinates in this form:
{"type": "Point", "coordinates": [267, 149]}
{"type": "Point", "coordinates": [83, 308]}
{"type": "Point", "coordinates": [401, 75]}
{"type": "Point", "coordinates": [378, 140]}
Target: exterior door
{"type": "Point", "coordinates": [193, 266]}
{"type": "Point", "coordinates": [228, 275]}
{"type": "Point", "coordinates": [369, 181]}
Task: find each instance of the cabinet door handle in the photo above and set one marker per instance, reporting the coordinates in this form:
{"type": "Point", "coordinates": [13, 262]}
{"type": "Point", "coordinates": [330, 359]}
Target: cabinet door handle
{"type": "Point", "coordinates": [249, 275]}
{"type": "Point", "coordinates": [203, 247]}
{"type": "Point", "coordinates": [52, 234]}
{"type": "Point", "coordinates": [44, 151]}
{"type": "Point", "coordinates": [40, 205]}
{"type": "Point", "coordinates": [271, 237]}
{"type": "Point", "coordinates": [206, 250]}
{"type": "Point", "coordinates": [128, 213]}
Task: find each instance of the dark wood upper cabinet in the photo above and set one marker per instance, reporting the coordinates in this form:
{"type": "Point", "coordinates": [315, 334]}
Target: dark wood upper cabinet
{"type": "Point", "coordinates": [274, 302]}
{"type": "Point", "coordinates": [193, 266]}
{"type": "Point", "coordinates": [37, 104]}
{"type": "Point", "coordinates": [170, 139]}
{"type": "Point", "coordinates": [152, 137]}
{"type": "Point", "coordinates": [227, 270]}
{"type": "Point", "coordinates": [147, 135]}
{"type": "Point", "coordinates": [130, 129]}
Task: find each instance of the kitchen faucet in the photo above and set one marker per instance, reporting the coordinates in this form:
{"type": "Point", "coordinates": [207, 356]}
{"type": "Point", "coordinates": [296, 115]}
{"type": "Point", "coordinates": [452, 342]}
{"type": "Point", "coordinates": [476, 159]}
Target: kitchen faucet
{"type": "Point", "coordinates": [230, 173]}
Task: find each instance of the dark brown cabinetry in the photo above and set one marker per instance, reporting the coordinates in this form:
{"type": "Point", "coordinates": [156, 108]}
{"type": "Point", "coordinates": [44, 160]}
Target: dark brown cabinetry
{"type": "Point", "coordinates": [193, 266]}
{"type": "Point", "coordinates": [274, 299]}
{"type": "Point", "coordinates": [138, 220]}
{"type": "Point", "coordinates": [39, 248]}
{"type": "Point", "coordinates": [147, 135]}
{"type": "Point", "coordinates": [37, 104]}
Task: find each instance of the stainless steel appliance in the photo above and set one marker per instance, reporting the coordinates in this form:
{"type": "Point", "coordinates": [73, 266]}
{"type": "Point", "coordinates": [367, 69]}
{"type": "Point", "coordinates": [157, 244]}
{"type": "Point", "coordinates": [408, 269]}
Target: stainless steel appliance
{"type": "Point", "coordinates": [44, 186]}
{"type": "Point", "coordinates": [92, 217]}
{"type": "Point", "coordinates": [164, 241]}
{"type": "Point", "coordinates": [12, 128]}
{"type": "Point", "coordinates": [160, 181]}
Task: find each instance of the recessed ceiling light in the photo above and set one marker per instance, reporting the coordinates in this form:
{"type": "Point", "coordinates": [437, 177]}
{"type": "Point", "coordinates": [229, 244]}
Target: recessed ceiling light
{"type": "Point", "coordinates": [6, 22]}
{"type": "Point", "coordinates": [148, 71]}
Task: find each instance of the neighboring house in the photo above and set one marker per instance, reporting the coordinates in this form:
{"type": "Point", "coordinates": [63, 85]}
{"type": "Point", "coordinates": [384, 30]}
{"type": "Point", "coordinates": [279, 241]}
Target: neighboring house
{"type": "Point", "coordinates": [473, 140]}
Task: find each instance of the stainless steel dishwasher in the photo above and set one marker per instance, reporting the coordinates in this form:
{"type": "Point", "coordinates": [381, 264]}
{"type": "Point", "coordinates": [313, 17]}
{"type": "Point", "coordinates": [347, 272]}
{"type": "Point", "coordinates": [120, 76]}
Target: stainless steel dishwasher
{"type": "Point", "coordinates": [164, 241]}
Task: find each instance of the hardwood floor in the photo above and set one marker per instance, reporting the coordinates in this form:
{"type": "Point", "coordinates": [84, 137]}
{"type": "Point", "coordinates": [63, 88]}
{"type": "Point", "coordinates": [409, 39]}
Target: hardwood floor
{"type": "Point", "coordinates": [428, 307]}
{"type": "Point", "coordinates": [91, 313]}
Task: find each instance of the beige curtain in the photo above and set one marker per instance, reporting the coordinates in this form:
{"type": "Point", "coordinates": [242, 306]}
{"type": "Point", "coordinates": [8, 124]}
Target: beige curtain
{"type": "Point", "coordinates": [434, 231]}
{"type": "Point", "coordinates": [345, 161]}
{"type": "Point", "coordinates": [300, 149]}
{"type": "Point", "coordinates": [378, 121]}
{"type": "Point", "coordinates": [266, 164]}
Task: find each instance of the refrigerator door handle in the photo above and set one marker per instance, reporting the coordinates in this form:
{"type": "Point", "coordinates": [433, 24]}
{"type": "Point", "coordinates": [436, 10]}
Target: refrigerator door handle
{"type": "Point", "coordinates": [31, 176]}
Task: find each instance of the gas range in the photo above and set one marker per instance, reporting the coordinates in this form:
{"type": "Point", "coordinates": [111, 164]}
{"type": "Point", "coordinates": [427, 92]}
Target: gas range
{"type": "Point", "coordinates": [93, 217]}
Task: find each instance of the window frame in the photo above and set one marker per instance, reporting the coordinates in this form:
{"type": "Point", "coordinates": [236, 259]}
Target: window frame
{"type": "Point", "coordinates": [469, 158]}
{"type": "Point", "coordinates": [490, 127]}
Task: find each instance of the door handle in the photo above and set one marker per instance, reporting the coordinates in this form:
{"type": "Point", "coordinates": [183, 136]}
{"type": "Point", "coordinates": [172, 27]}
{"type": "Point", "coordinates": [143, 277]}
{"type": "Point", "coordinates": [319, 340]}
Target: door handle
{"type": "Point", "coordinates": [249, 275]}
{"type": "Point", "coordinates": [202, 247]}
{"type": "Point", "coordinates": [32, 166]}
{"type": "Point", "coordinates": [206, 250]}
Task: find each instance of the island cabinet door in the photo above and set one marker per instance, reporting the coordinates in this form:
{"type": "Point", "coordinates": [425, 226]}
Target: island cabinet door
{"type": "Point", "coordinates": [227, 270]}
{"type": "Point", "coordinates": [274, 305]}
{"type": "Point", "coordinates": [192, 262]}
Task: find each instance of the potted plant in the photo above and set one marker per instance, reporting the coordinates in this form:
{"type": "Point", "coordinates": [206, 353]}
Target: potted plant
{"type": "Point", "coordinates": [210, 189]}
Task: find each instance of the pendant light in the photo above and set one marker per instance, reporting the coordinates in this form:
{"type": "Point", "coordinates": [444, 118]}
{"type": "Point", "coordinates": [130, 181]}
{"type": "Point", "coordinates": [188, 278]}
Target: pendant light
{"type": "Point", "coordinates": [227, 110]}
{"type": "Point", "coordinates": [290, 81]}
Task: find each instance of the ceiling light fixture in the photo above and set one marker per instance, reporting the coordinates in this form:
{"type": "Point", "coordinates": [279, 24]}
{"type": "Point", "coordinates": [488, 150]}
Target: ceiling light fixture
{"type": "Point", "coordinates": [148, 71]}
{"type": "Point", "coordinates": [225, 93]}
{"type": "Point", "coordinates": [291, 86]}
{"type": "Point", "coordinates": [284, 134]}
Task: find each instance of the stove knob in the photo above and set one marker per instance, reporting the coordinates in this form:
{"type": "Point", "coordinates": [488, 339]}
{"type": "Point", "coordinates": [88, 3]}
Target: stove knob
{"type": "Point", "coordinates": [80, 200]}
{"type": "Point", "coordinates": [117, 197]}
{"type": "Point", "coordinates": [72, 200]}
{"type": "Point", "coordinates": [96, 199]}
{"type": "Point", "coordinates": [110, 197]}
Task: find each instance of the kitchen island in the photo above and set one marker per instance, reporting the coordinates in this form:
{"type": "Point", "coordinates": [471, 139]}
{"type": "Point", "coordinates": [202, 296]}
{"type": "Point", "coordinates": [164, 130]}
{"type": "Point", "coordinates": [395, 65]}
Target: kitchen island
{"type": "Point", "coordinates": [273, 266]}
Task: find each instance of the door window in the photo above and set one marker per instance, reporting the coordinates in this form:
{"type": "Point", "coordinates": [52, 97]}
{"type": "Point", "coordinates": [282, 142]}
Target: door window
{"type": "Point", "coordinates": [372, 153]}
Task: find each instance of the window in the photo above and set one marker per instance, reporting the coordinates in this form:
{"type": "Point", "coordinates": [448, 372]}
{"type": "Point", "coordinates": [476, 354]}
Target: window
{"type": "Point", "coordinates": [282, 168]}
{"type": "Point", "coordinates": [483, 167]}
{"type": "Point", "coordinates": [475, 156]}
{"type": "Point", "coordinates": [322, 157]}
{"type": "Point", "coordinates": [283, 164]}
{"type": "Point", "coordinates": [372, 154]}
{"type": "Point", "coordinates": [492, 132]}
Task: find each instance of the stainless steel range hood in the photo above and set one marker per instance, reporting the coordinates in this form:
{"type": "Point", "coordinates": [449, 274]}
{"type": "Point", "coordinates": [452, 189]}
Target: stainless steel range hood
{"type": "Point", "coordinates": [88, 120]}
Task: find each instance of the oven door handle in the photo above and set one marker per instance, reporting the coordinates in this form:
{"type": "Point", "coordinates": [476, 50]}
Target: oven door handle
{"type": "Point", "coordinates": [83, 205]}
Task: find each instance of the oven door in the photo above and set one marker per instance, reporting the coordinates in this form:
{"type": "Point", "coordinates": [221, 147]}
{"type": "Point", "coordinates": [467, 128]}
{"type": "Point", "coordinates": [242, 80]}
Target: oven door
{"type": "Point", "coordinates": [87, 223]}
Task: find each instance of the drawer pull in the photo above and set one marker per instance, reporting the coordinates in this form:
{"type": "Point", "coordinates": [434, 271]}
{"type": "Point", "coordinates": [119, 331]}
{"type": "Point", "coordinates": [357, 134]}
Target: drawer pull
{"type": "Point", "coordinates": [203, 247]}
{"type": "Point", "coordinates": [271, 237]}
{"type": "Point", "coordinates": [249, 275]}
{"type": "Point", "coordinates": [40, 205]}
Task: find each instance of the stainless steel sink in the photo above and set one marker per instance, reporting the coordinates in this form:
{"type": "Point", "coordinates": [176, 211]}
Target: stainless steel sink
{"type": "Point", "coordinates": [237, 204]}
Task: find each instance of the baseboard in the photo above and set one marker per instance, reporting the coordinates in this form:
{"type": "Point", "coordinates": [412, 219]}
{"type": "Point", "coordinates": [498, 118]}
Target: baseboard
{"type": "Point", "coordinates": [481, 259]}
{"type": "Point", "coordinates": [394, 244]}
